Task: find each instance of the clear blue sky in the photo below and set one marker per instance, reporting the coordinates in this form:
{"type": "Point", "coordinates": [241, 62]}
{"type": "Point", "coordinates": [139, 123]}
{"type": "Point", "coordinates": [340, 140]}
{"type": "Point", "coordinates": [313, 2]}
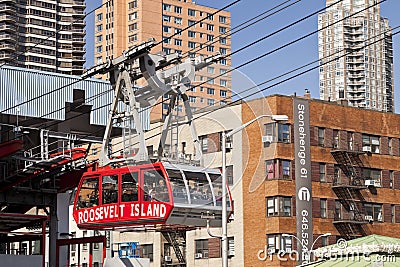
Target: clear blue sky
{"type": "Point", "coordinates": [290, 57]}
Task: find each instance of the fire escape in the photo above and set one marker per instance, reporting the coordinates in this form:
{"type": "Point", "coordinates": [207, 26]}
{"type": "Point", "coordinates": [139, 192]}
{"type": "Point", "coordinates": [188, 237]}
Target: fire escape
{"type": "Point", "coordinates": [176, 238]}
{"type": "Point", "coordinates": [350, 224]}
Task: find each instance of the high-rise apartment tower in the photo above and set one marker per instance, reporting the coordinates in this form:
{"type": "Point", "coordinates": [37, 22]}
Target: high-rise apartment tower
{"type": "Point", "coordinates": [123, 24]}
{"type": "Point", "coordinates": [362, 73]}
{"type": "Point", "coordinates": [43, 35]}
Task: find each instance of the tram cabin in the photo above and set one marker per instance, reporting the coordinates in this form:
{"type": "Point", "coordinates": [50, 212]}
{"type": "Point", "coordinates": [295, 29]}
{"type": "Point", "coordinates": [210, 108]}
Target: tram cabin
{"type": "Point", "coordinates": [151, 194]}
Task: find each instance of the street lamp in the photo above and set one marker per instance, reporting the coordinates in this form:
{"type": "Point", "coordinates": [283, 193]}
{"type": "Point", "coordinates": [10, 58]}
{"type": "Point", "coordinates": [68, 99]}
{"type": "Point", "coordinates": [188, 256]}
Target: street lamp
{"type": "Point", "coordinates": [225, 136]}
{"type": "Point", "coordinates": [298, 241]}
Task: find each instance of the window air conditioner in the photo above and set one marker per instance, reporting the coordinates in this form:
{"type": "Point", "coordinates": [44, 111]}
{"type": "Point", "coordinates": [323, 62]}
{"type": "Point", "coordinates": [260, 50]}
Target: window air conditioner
{"type": "Point", "coordinates": [198, 256]}
{"type": "Point", "coordinates": [368, 218]}
{"type": "Point", "coordinates": [229, 145]}
{"type": "Point", "coordinates": [372, 183]}
{"type": "Point", "coordinates": [366, 148]}
{"type": "Point", "coordinates": [267, 139]}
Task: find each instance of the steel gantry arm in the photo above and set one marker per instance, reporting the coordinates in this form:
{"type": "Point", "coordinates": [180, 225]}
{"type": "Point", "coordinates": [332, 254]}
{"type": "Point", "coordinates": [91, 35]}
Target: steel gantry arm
{"type": "Point", "coordinates": [174, 81]}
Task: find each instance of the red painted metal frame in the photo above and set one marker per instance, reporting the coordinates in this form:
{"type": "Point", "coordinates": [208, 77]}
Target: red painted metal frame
{"type": "Point", "coordinates": [76, 154]}
{"type": "Point", "coordinates": [126, 219]}
{"type": "Point", "coordinates": [10, 147]}
{"type": "Point", "coordinates": [83, 240]}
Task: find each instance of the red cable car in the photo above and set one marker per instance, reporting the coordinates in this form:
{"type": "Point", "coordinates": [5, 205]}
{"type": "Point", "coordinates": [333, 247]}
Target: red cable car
{"type": "Point", "coordinates": [150, 194]}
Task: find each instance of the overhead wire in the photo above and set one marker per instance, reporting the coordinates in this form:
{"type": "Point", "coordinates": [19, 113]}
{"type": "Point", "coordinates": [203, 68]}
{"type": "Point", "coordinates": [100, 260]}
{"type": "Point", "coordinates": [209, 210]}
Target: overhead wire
{"type": "Point", "coordinates": [237, 28]}
{"type": "Point", "coordinates": [250, 61]}
{"type": "Point", "coordinates": [72, 83]}
{"type": "Point", "coordinates": [285, 80]}
{"type": "Point", "coordinates": [257, 16]}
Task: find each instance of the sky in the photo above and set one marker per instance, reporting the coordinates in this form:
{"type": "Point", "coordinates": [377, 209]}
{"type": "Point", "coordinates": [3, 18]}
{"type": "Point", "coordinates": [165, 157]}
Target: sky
{"type": "Point", "coordinates": [286, 59]}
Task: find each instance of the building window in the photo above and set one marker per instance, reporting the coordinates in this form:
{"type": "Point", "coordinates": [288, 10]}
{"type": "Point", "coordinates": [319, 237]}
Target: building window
{"type": "Point", "coordinates": [392, 213]}
{"type": "Point", "coordinates": [322, 172]}
{"type": "Point", "coordinates": [167, 40]}
{"type": "Point", "coordinates": [178, 31]}
{"type": "Point", "coordinates": [335, 139]}
{"type": "Point", "coordinates": [372, 174]}
{"type": "Point", "coordinates": [191, 23]}
{"type": "Point", "coordinates": [167, 51]}
{"type": "Point", "coordinates": [324, 241]}
{"type": "Point", "coordinates": [222, 30]}
{"type": "Point", "coordinates": [223, 62]}
{"type": "Point", "coordinates": [210, 70]}
{"type": "Point", "coordinates": [210, 48]}
{"type": "Point", "coordinates": [192, 34]}
{"type": "Point", "coordinates": [133, 27]}
{"type": "Point", "coordinates": [374, 211]}
{"type": "Point", "coordinates": [222, 93]}
{"type": "Point", "coordinates": [178, 42]}
{"type": "Point", "coordinates": [178, 21]}
{"type": "Point", "coordinates": [99, 49]}
{"type": "Point", "coordinates": [323, 207]}
{"type": "Point", "coordinates": [167, 29]}
{"type": "Point", "coordinates": [276, 242]}
{"type": "Point", "coordinates": [147, 251]}
{"type": "Point", "coordinates": [99, 17]}
{"type": "Point", "coordinates": [133, 38]}
{"type": "Point", "coordinates": [166, 18]}
{"type": "Point", "coordinates": [191, 12]}
{"type": "Point", "coordinates": [99, 38]}
{"type": "Point", "coordinates": [167, 7]}
{"type": "Point", "coordinates": [391, 179]}
{"type": "Point", "coordinates": [210, 91]}
{"type": "Point", "coordinates": [279, 206]}
{"type": "Point", "coordinates": [210, 81]}
{"type": "Point", "coordinates": [321, 136]}
{"type": "Point", "coordinates": [222, 40]}
{"type": "Point", "coordinates": [178, 9]}
{"type": "Point", "coordinates": [210, 37]}
{"type": "Point", "coordinates": [350, 140]}
{"type": "Point", "coordinates": [390, 144]}
{"type": "Point", "coordinates": [133, 16]}
{"type": "Point", "coordinates": [370, 143]}
{"type": "Point", "coordinates": [223, 50]}
{"type": "Point", "coordinates": [222, 19]}
{"type": "Point", "coordinates": [203, 143]}
{"type": "Point", "coordinates": [84, 245]}
{"type": "Point", "coordinates": [210, 27]}
{"type": "Point", "coordinates": [278, 169]}
{"type": "Point", "coordinates": [99, 27]}
{"type": "Point", "coordinates": [283, 133]}
{"type": "Point", "coordinates": [210, 102]}
{"type": "Point", "coordinates": [201, 247]}
{"type": "Point", "coordinates": [191, 44]}
{"type": "Point", "coordinates": [133, 4]}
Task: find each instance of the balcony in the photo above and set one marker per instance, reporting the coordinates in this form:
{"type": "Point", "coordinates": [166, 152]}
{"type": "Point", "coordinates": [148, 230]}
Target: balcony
{"type": "Point", "coordinates": [8, 37]}
{"type": "Point", "coordinates": [7, 47]}
{"type": "Point", "coordinates": [7, 8]}
{"type": "Point", "coordinates": [6, 17]}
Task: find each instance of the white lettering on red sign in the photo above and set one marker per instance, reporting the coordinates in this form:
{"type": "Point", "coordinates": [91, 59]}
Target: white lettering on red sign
{"type": "Point", "coordinates": [112, 212]}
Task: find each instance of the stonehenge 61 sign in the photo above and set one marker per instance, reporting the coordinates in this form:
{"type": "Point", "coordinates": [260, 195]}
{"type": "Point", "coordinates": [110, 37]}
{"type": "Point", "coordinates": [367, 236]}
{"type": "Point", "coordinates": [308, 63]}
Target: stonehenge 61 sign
{"type": "Point", "coordinates": [302, 157]}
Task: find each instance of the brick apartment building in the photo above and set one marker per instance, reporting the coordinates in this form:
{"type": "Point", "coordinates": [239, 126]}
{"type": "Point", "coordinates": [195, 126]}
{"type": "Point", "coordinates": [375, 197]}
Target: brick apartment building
{"type": "Point", "coordinates": [120, 25]}
{"type": "Point", "coordinates": [355, 172]}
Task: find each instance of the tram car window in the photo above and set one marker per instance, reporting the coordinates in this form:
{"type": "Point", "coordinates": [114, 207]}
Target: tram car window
{"type": "Point", "coordinates": [199, 188]}
{"type": "Point", "coordinates": [155, 187]}
{"type": "Point", "coordinates": [88, 196]}
{"type": "Point", "coordinates": [110, 189]}
{"type": "Point", "coordinates": [178, 187]}
{"type": "Point", "coordinates": [130, 187]}
{"type": "Point", "coordinates": [216, 180]}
